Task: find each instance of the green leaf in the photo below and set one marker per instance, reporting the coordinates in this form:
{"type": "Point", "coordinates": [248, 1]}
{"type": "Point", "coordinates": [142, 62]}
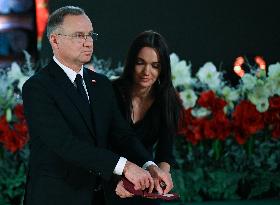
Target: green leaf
{"type": "Point", "coordinates": [261, 183]}
{"type": "Point", "coordinates": [276, 180]}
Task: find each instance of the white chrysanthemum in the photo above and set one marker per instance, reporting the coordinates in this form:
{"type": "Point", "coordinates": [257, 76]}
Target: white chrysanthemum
{"type": "Point", "coordinates": [181, 71]}
{"type": "Point", "coordinates": [249, 81]}
{"type": "Point", "coordinates": [15, 73]}
{"type": "Point", "coordinates": [208, 74]}
{"type": "Point", "coordinates": [200, 112]}
{"type": "Point", "coordinates": [189, 98]}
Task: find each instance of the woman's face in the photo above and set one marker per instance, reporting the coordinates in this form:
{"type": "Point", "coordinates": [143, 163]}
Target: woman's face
{"type": "Point", "coordinates": [147, 68]}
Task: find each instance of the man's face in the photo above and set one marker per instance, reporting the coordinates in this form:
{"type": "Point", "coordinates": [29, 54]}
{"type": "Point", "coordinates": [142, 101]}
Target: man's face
{"type": "Point", "coordinates": [71, 47]}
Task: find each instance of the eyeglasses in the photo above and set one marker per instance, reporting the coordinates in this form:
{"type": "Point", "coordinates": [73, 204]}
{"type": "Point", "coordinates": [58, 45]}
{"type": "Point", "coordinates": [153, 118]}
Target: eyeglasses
{"type": "Point", "coordinates": [81, 37]}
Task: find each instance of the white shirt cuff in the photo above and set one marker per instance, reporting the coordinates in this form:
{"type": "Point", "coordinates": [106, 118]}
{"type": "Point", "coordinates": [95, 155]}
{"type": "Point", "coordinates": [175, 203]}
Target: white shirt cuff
{"type": "Point", "coordinates": [148, 163]}
{"type": "Point", "coordinates": [120, 166]}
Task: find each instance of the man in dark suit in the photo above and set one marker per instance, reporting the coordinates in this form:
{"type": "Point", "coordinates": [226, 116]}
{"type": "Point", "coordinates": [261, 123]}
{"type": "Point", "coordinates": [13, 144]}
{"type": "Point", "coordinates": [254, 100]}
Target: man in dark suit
{"type": "Point", "coordinates": [73, 118]}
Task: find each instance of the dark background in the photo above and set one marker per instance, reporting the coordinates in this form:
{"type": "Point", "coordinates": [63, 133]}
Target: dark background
{"type": "Point", "coordinates": [17, 31]}
{"type": "Point", "coordinates": [197, 30]}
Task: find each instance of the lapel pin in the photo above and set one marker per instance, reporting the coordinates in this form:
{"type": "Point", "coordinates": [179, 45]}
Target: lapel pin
{"type": "Point", "coordinates": [90, 67]}
{"type": "Point", "coordinates": [93, 81]}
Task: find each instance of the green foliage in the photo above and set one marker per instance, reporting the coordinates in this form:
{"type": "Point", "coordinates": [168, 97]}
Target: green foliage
{"type": "Point", "coordinates": [239, 172]}
{"type": "Point", "coordinates": [12, 176]}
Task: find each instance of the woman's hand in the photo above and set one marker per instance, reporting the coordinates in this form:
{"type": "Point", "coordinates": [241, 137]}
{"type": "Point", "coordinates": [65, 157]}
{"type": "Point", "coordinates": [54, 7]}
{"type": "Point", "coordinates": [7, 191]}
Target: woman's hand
{"type": "Point", "coordinates": [164, 166]}
{"type": "Point", "coordinates": [162, 179]}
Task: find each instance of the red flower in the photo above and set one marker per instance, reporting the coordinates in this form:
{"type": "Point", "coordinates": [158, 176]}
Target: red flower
{"type": "Point", "coordinates": [246, 121]}
{"type": "Point", "coordinates": [190, 127]}
{"type": "Point", "coordinates": [274, 102]}
{"type": "Point", "coordinates": [276, 131]}
{"type": "Point", "coordinates": [15, 141]}
{"type": "Point", "coordinates": [272, 117]}
{"type": "Point", "coordinates": [18, 111]}
{"type": "Point", "coordinates": [218, 127]}
{"type": "Point", "coordinates": [4, 129]}
{"type": "Point", "coordinates": [14, 136]}
{"type": "Point", "coordinates": [209, 100]}
{"type": "Point", "coordinates": [215, 127]}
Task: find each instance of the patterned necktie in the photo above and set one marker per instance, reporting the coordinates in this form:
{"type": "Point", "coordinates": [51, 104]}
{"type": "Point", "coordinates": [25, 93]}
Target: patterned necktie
{"type": "Point", "coordinates": [80, 88]}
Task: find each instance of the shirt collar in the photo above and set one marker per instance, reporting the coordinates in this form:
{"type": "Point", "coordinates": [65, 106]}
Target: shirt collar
{"type": "Point", "coordinates": [69, 72]}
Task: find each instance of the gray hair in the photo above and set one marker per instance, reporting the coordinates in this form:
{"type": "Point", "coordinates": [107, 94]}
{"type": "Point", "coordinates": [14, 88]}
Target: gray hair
{"type": "Point", "coordinates": [57, 17]}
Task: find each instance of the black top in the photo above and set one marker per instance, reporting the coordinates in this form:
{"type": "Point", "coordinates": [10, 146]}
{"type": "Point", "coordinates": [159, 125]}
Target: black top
{"type": "Point", "coordinates": [154, 135]}
{"type": "Point", "coordinates": [150, 130]}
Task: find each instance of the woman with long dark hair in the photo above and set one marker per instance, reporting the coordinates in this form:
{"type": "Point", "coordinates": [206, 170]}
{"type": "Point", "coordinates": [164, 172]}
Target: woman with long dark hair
{"type": "Point", "coordinates": [148, 101]}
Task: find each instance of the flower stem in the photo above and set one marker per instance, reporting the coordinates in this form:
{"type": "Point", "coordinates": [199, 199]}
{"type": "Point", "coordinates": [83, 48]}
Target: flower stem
{"type": "Point", "coordinates": [217, 149]}
{"type": "Point", "coordinates": [1, 153]}
{"type": "Point", "coordinates": [251, 146]}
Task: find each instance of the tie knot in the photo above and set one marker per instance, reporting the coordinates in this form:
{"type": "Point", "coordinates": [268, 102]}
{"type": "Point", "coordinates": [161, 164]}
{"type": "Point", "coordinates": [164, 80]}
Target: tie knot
{"type": "Point", "coordinates": [80, 87]}
{"type": "Point", "coordinates": [78, 78]}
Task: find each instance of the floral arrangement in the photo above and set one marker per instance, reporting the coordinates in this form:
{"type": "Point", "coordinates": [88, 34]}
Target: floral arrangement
{"type": "Point", "coordinates": [228, 145]}
{"type": "Point", "coordinates": [229, 136]}
{"type": "Point", "coordinates": [13, 132]}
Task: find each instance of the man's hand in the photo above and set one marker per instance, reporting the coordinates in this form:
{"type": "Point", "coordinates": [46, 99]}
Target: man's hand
{"type": "Point", "coordinates": [138, 176]}
{"type": "Point", "coordinates": [121, 191]}
{"type": "Point", "coordinates": [160, 177]}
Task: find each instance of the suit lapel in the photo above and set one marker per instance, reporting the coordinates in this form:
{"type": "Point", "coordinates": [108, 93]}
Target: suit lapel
{"type": "Point", "coordinates": [64, 82]}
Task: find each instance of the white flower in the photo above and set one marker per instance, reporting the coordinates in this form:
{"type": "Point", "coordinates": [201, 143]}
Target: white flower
{"type": "Point", "coordinates": [174, 59]}
{"type": "Point", "coordinates": [4, 85]}
{"type": "Point", "coordinates": [208, 74]}
{"type": "Point", "coordinates": [274, 71]}
{"type": "Point", "coordinates": [230, 94]}
{"type": "Point", "coordinates": [249, 81]}
{"type": "Point", "coordinates": [200, 112]}
{"type": "Point", "coordinates": [262, 105]}
{"type": "Point", "coordinates": [114, 77]}
{"type": "Point", "coordinates": [259, 96]}
{"type": "Point", "coordinates": [274, 79]}
{"type": "Point", "coordinates": [273, 87]}
{"type": "Point", "coordinates": [181, 71]}
{"type": "Point", "coordinates": [189, 98]}
{"type": "Point", "coordinates": [15, 73]}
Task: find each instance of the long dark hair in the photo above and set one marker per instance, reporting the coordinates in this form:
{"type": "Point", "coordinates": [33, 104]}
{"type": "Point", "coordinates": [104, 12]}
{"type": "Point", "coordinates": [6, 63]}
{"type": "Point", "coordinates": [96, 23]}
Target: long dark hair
{"type": "Point", "coordinates": [163, 90]}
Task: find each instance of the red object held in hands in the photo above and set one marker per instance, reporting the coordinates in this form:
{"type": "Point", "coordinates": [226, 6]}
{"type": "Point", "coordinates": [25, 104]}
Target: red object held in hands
{"type": "Point", "coordinates": [129, 186]}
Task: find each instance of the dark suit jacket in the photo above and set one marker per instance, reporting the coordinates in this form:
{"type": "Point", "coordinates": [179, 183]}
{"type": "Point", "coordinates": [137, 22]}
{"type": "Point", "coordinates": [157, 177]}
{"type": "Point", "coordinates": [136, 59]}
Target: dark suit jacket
{"type": "Point", "coordinates": [69, 141]}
